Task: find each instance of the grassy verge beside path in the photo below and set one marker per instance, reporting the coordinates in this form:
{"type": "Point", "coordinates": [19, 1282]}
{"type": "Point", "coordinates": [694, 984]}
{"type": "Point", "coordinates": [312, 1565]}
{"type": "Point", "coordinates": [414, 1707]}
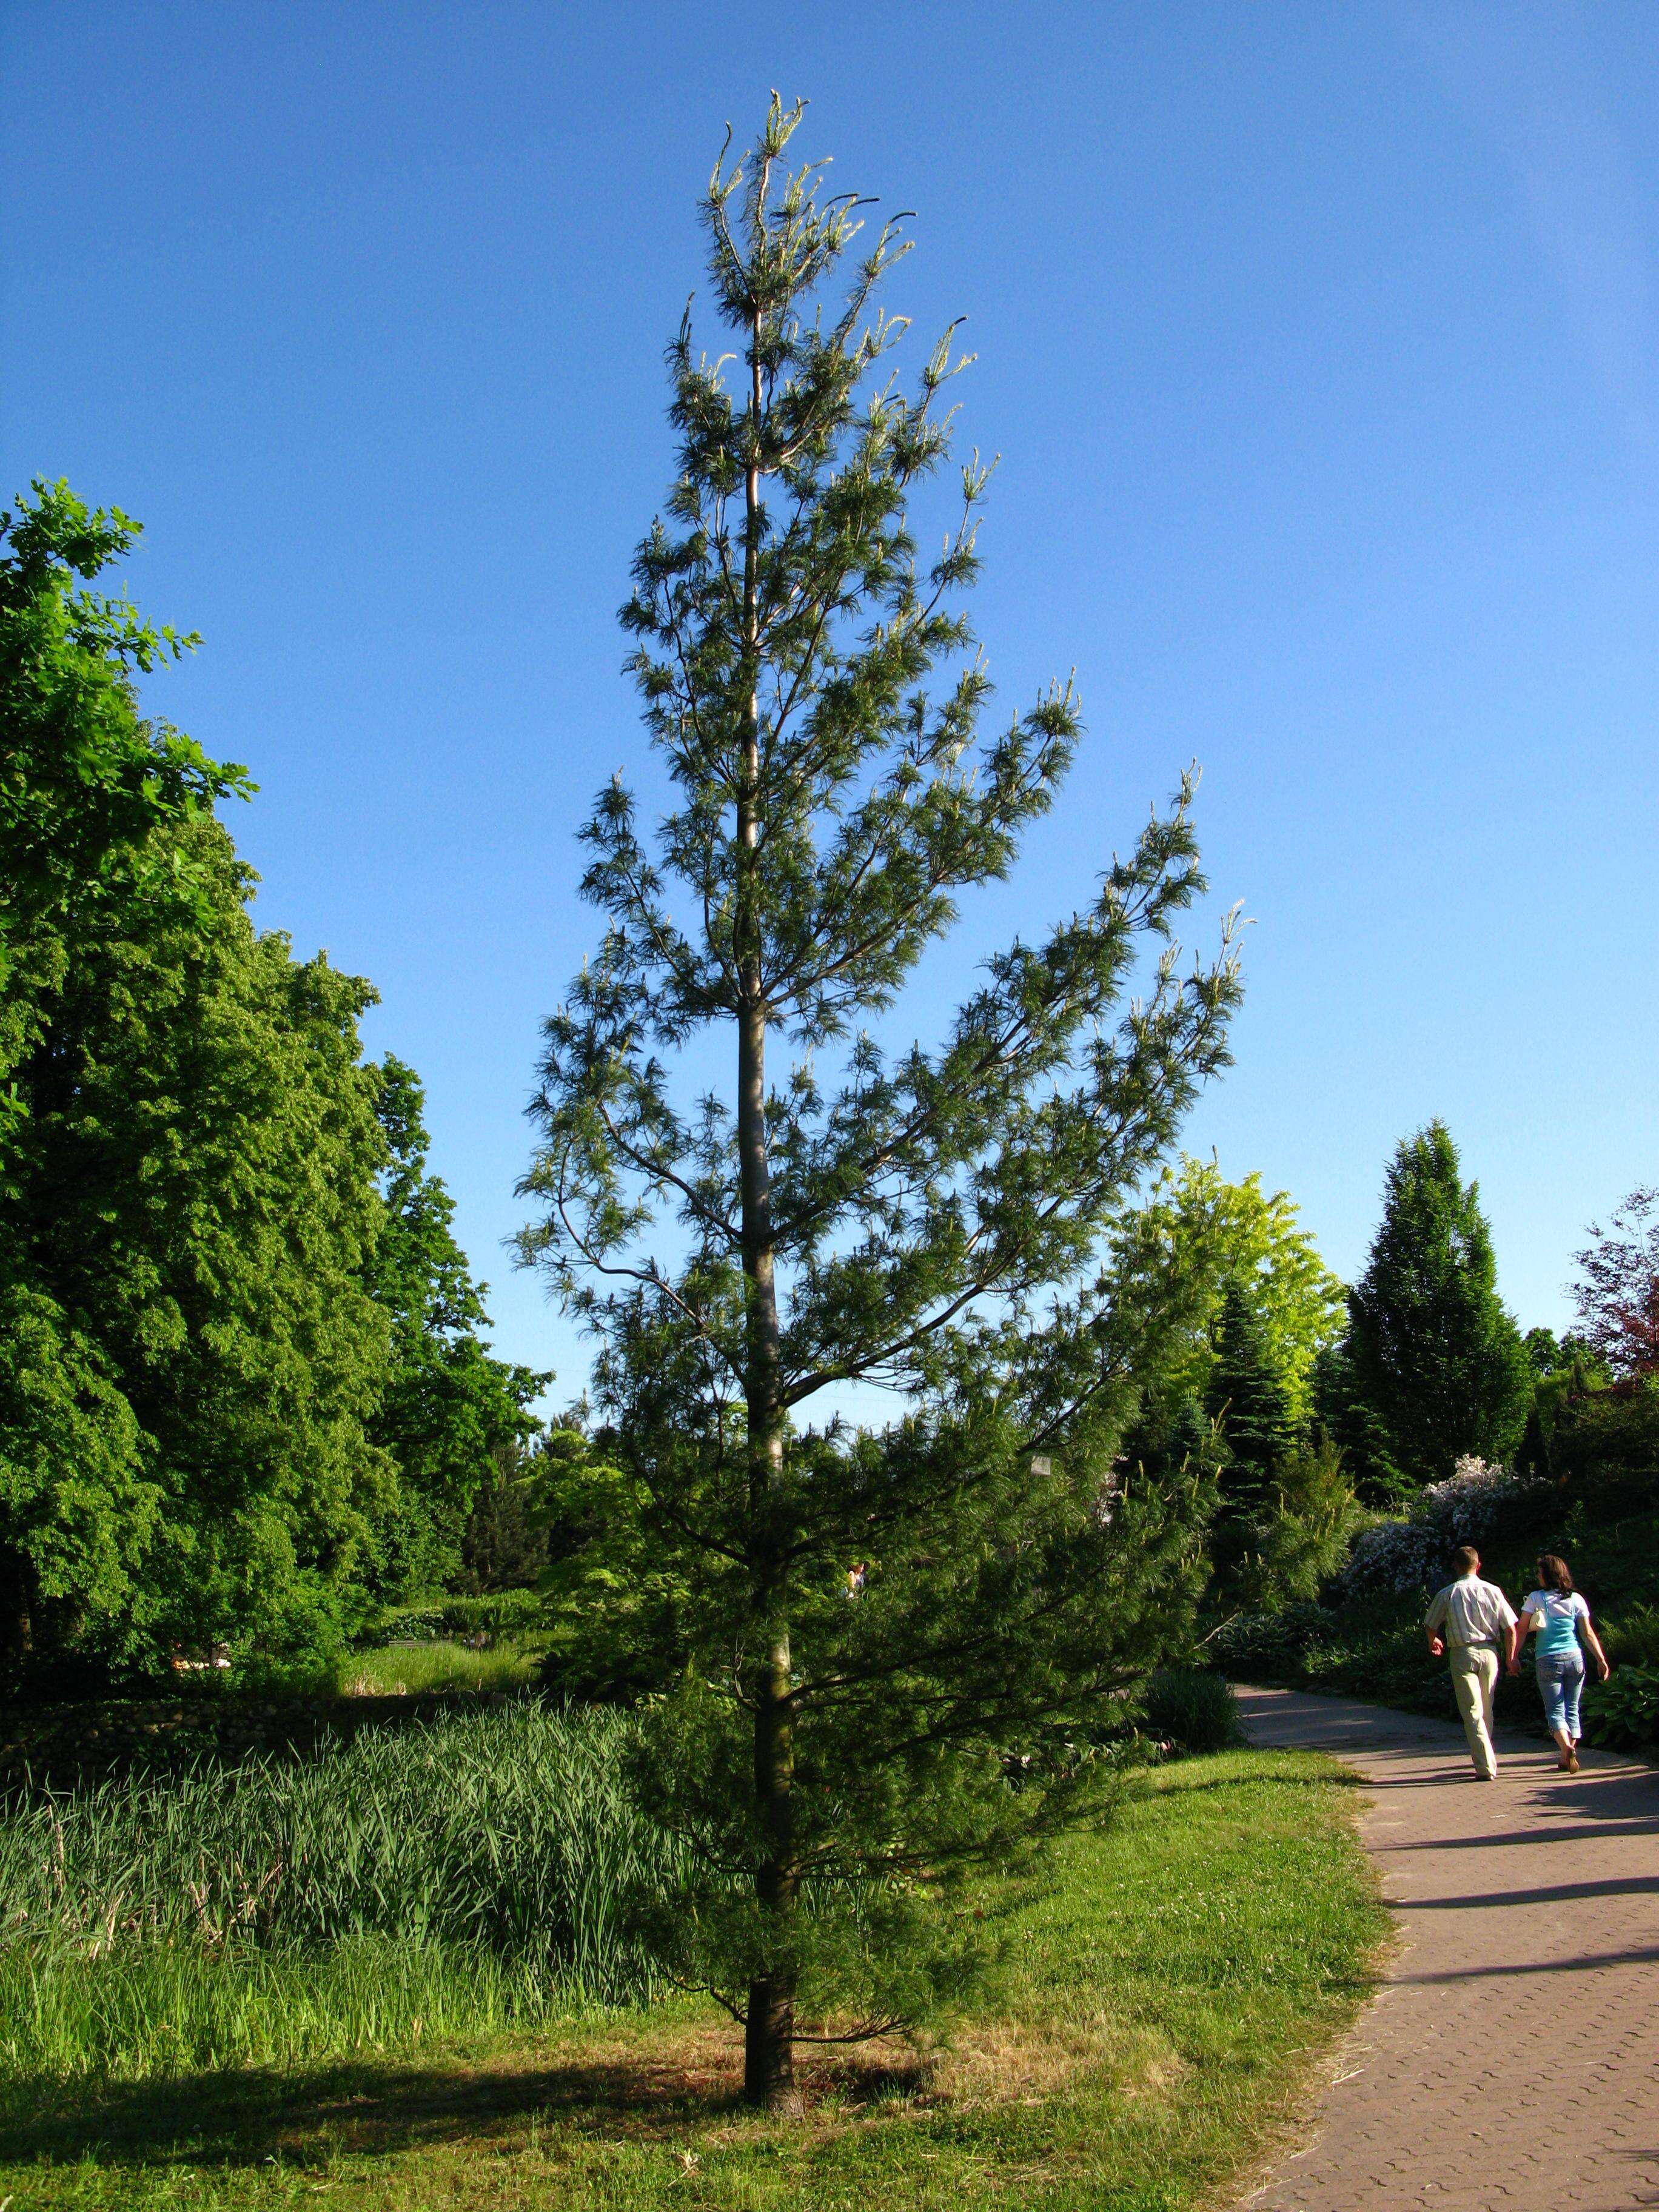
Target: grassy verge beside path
{"type": "Point", "coordinates": [1156, 2028]}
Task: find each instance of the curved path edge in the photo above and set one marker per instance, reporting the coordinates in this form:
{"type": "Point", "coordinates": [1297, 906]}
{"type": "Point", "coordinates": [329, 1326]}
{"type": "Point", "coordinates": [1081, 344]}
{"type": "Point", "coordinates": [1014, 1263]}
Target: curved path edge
{"type": "Point", "coordinates": [1511, 2055]}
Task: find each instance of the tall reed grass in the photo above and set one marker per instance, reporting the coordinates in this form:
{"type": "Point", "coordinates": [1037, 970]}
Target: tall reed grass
{"type": "Point", "coordinates": [412, 1669]}
{"type": "Point", "coordinates": [479, 1870]}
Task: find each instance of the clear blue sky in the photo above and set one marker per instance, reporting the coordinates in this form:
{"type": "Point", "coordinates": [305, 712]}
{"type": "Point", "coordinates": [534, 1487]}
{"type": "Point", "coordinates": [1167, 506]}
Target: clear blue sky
{"type": "Point", "coordinates": [1320, 344]}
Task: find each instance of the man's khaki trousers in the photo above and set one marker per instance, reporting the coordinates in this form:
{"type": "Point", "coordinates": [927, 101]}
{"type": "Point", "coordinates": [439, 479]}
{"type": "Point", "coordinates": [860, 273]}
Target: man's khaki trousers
{"type": "Point", "coordinates": [1474, 1679]}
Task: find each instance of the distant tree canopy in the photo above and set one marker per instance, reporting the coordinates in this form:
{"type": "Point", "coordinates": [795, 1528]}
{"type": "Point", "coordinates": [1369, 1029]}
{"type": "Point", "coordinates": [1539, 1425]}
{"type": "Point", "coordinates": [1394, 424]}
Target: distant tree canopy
{"type": "Point", "coordinates": [238, 1385]}
{"type": "Point", "coordinates": [1617, 1292]}
{"type": "Point", "coordinates": [1432, 1353]}
{"type": "Point", "coordinates": [448, 1410]}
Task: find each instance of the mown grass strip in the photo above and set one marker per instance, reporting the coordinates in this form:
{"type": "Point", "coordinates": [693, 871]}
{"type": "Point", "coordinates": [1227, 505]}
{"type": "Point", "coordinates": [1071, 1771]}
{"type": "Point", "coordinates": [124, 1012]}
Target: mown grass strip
{"type": "Point", "coordinates": [1161, 2009]}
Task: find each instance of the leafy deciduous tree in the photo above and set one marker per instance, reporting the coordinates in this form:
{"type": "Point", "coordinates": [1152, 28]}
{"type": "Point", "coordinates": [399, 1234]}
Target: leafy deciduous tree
{"type": "Point", "coordinates": [191, 1212]}
{"type": "Point", "coordinates": [84, 779]}
{"type": "Point", "coordinates": [1235, 1238]}
{"type": "Point", "coordinates": [1618, 1292]}
{"type": "Point", "coordinates": [233, 1380]}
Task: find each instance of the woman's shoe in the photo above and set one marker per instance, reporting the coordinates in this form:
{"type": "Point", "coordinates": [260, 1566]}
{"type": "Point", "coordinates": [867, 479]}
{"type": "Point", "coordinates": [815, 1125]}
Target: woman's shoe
{"type": "Point", "coordinates": [1572, 1762]}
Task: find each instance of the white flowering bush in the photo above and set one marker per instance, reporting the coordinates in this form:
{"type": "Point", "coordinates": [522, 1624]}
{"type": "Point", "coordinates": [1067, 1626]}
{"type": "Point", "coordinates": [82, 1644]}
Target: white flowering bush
{"type": "Point", "coordinates": [1414, 1553]}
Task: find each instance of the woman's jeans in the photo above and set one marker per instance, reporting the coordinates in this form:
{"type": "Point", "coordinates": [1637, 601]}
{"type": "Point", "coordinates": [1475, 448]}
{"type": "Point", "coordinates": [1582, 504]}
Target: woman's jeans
{"type": "Point", "coordinates": [1561, 1680]}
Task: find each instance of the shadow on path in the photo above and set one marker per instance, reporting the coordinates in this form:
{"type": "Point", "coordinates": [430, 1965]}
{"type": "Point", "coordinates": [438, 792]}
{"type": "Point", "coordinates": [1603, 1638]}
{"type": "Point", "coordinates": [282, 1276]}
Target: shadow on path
{"type": "Point", "coordinates": [1521, 2003]}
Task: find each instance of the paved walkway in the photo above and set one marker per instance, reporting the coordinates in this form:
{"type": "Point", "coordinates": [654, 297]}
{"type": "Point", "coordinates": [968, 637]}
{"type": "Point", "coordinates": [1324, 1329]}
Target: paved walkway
{"type": "Point", "coordinates": [1512, 2057]}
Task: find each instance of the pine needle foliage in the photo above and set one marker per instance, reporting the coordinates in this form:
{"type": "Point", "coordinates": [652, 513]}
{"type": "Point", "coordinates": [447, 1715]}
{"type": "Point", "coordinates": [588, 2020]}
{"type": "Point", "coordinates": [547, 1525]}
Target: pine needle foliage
{"type": "Point", "coordinates": [1248, 1399]}
{"type": "Point", "coordinates": [871, 1627]}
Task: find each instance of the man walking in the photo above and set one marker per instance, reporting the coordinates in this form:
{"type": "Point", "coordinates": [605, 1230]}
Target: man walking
{"type": "Point", "coordinates": [1477, 1618]}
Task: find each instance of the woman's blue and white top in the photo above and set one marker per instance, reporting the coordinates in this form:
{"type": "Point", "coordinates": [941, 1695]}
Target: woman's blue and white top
{"type": "Point", "coordinates": [1558, 1618]}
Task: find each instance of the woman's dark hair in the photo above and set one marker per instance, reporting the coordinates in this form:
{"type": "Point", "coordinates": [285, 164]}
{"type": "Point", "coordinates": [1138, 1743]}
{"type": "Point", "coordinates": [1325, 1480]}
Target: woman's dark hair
{"type": "Point", "coordinates": [1554, 1574]}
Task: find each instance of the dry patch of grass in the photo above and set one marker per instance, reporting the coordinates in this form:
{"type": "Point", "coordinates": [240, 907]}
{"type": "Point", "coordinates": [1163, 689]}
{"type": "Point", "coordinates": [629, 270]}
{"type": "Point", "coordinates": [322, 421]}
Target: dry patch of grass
{"type": "Point", "coordinates": [1026, 2062]}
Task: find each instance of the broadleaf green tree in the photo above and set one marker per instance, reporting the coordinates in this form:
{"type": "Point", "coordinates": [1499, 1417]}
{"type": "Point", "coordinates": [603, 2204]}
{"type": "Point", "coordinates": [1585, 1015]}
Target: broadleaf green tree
{"type": "Point", "coordinates": [86, 785]}
{"type": "Point", "coordinates": [1237, 1239]}
{"type": "Point", "coordinates": [1433, 1352]}
{"type": "Point", "coordinates": [872, 1623]}
{"type": "Point", "coordinates": [240, 1383]}
{"type": "Point", "coordinates": [192, 1211]}
{"type": "Point", "coordinates": [85, 777]}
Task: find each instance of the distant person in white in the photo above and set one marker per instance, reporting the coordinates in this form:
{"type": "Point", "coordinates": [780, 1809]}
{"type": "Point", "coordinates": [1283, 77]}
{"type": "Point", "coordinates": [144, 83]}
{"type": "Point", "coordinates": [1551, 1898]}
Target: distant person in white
{"type": "Point", "coordinates": [1477, 1618]}
{"type": "Point", "coordinates": [1562, 1619]}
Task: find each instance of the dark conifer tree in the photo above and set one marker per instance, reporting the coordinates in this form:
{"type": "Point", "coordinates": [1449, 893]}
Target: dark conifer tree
{"type": "Point", "coordinates": [928, 1222]}
{"type": "Point", "coordinates": [504, 1543]}
{"type": "Point", "coordinates": [1249, 1403]}
{"type": "Point", "coordinates": [1435, 1353]}
{"type": "Point", "coordinates": [1342, 1413]}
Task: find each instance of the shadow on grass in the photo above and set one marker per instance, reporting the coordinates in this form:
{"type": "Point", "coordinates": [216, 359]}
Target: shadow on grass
{"type": "Point", "coordinates": [647, 2093]}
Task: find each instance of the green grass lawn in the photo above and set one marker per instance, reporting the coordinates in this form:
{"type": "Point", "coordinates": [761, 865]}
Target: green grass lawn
{"type": "Point", "coordinates": [1164, 2007]}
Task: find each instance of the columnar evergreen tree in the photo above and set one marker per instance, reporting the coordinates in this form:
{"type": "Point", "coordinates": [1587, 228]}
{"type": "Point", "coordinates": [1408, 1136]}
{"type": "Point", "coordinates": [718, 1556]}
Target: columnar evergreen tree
{"type": "Point", "coordinates": [1344, 1414]}
{"type": "Point", "coordinates": [504, 1543]}
{"type": "Point", "coordinates": [1249, 1400]}
{"type": "Point", "coordinates": [870, 1623]}
{"type": "Point", "coordinates": [1432, 1350]}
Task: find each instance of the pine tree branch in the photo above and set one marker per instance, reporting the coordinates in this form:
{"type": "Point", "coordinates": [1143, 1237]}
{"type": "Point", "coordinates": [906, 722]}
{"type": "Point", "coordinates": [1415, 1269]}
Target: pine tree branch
{"type": "Point", "coordinates": [650, 1277]}
{"type": "Point", "coordinates": [656, 1170]}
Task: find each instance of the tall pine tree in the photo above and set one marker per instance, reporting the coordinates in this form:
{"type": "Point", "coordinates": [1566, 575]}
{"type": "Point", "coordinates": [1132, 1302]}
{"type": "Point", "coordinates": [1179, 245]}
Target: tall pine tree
{"type": "Point", "coordinates": [1432, 1350]}
{"type": "Point", "coordinates": [928, 1222]}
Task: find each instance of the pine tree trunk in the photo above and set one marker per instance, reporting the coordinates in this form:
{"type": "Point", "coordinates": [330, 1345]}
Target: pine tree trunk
{"type": "Point", "coordinates": [769, 2032]}
{"type": "Point", "coordinates": [768, 2035]}
{"type": "Point", "coordinates": [768, 2077]}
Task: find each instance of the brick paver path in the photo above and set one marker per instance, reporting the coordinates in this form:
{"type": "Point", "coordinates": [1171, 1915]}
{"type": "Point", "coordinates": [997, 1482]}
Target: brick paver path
{"type": "Point", "coordinates": [1512, 2057]}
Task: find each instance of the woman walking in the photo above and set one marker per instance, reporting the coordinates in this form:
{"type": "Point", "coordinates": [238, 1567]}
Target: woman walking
{"type": "Point", "coordinates": [1561, 1617]}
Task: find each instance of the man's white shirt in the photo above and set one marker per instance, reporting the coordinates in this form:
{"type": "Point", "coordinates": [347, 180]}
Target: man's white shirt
{"type": "Point", "coordinates": [1471, 1612]}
